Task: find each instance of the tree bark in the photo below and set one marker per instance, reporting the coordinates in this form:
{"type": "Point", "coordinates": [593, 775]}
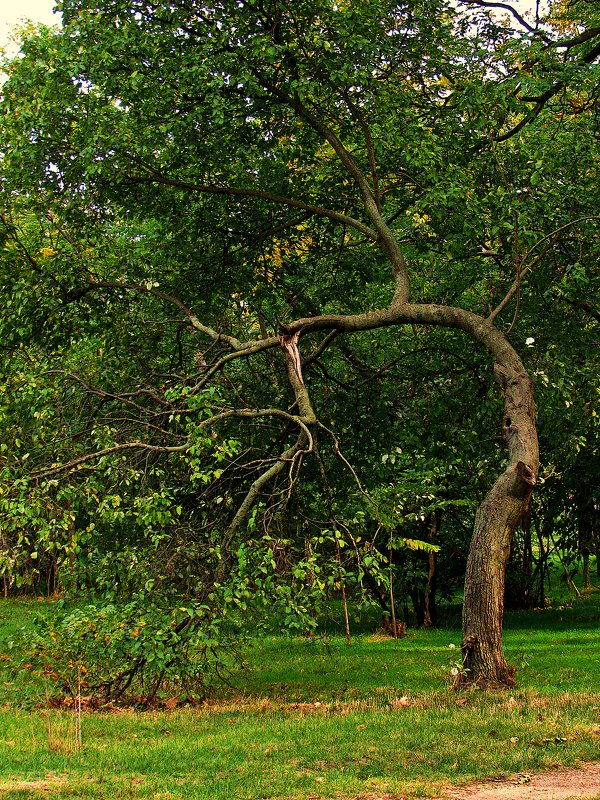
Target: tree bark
{"type": "Point", "coordinates": [495, 522]}
{"type": "Point", "coordinates": [586, 569]}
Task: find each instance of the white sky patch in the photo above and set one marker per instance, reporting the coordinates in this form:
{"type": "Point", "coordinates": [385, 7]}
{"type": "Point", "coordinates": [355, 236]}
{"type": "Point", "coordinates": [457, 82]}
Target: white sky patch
{"type": "Point", "coordinates": [15, 12]}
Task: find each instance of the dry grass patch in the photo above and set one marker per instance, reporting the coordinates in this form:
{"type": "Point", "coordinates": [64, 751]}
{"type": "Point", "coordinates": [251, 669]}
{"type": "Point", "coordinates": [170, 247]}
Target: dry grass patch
{"type": "Point", "coordinates": [12, 785]}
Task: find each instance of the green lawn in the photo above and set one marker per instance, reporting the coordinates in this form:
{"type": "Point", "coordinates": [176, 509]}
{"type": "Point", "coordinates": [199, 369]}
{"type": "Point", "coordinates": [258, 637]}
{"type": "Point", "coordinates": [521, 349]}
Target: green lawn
{"type": "Point", "coordinates": [321, 719]}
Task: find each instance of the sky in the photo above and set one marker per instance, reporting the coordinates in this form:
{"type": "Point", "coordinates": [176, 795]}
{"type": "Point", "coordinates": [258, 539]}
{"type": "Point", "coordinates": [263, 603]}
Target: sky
{"type": "Point", "coordinates": [13, 13]}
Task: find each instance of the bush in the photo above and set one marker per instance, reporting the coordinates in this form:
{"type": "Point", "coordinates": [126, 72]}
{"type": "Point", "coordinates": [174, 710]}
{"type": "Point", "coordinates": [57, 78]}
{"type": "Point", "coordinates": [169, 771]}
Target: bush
{"type": "Point", "coordinates": [130, 652]}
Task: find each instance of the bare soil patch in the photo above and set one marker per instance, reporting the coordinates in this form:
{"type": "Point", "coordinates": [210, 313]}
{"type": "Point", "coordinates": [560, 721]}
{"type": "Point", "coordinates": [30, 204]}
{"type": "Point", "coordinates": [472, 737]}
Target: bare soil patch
{"type": "Point", "coordinates": [560, 784]}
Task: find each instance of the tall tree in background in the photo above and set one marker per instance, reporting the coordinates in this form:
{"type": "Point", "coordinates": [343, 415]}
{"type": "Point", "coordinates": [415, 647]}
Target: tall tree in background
{"type": "Point", "coordinates": [259, 180]}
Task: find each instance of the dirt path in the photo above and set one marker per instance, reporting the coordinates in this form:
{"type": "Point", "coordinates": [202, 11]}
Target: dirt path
{"type": "Point", "coordinates": [560, 784]}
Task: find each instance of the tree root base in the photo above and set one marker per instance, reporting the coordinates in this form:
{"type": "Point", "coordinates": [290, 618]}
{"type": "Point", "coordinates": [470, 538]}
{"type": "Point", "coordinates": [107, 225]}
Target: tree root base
{"type": "Point", "coordinates": [497, 683]}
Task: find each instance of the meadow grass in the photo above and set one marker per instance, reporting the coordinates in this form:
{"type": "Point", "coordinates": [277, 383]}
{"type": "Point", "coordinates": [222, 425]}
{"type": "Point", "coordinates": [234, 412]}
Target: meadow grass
{"type": "Point", "coordinates": [316, 718]}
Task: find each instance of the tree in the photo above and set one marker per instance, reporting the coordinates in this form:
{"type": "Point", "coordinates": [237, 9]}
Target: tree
{"type": "Point", "coordinates": [281, 180]}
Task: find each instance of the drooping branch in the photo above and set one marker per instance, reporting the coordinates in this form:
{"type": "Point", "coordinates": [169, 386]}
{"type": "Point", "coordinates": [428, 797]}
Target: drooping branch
{"type": "Point", "coordinates": [286, 459]}
{"type": "Point", "coordinates": [75, 463]}
{"type": "Point", "coordinates": [152, 290]}
{"type": "Point", "coordinates": [247, 413]}
{"type": "Point", "coordinates": [526, 268]}
{"type": "Point", "coordinates": [126, 398]}
{"type": "Point", "coordinates": [505, 7]}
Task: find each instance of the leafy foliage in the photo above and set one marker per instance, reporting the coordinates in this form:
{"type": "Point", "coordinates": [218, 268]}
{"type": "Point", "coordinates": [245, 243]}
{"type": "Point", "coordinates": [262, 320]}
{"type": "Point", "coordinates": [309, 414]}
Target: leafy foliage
{"type": "Point", "coordinates": [133, 650]}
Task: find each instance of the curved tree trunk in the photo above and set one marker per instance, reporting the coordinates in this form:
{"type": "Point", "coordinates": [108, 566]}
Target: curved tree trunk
{"type": "Point", "coordinates": [495, 522]}
{"type": "Point", "coordinates": [508, 499]}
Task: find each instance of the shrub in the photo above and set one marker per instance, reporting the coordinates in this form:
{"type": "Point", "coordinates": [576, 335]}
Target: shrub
{"type": "Point", "coordinates": [130, 651]}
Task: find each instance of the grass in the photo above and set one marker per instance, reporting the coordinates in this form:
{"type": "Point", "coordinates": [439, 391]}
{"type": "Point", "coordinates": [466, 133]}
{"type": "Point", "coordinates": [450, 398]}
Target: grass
{"type": "Point", "coordinates": [259, 750]}
{"type": "Point", "coordinates": [318, 719]}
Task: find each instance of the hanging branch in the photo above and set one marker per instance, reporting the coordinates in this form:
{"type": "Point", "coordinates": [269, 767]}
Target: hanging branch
{"type": "Point", "coordinates": [526, 268]}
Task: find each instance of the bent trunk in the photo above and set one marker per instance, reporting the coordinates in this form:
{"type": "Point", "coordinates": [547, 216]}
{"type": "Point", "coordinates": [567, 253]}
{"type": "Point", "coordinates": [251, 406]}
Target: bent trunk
{"type": "Point", "coordinates": [508, 499]}
{"type": "Point", "coordinates": [495, 522]}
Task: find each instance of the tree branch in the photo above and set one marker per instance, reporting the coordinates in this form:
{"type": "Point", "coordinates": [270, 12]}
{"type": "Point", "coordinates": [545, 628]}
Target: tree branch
{"type": "Point", "coordinates": [248, 413]}
{"type": "Point", "coordinates": [75, 463]}
{"type": "Point", "coordinates": [232, 191]}
{"type": "Point", "coordinates": [513, 289]}
{"type": "Point", "coordinates": [384, 235]}
{"type": "Point", "coordinates": [287, 457]}
{"type": "Point", "coordinates": [192, 319]}
{"type": "Point", "coordinates": [541, 100]}
{"type": "Point", "coordinates": [504, 7]}
{"type": "Point", "coordinates": [584, 305]}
